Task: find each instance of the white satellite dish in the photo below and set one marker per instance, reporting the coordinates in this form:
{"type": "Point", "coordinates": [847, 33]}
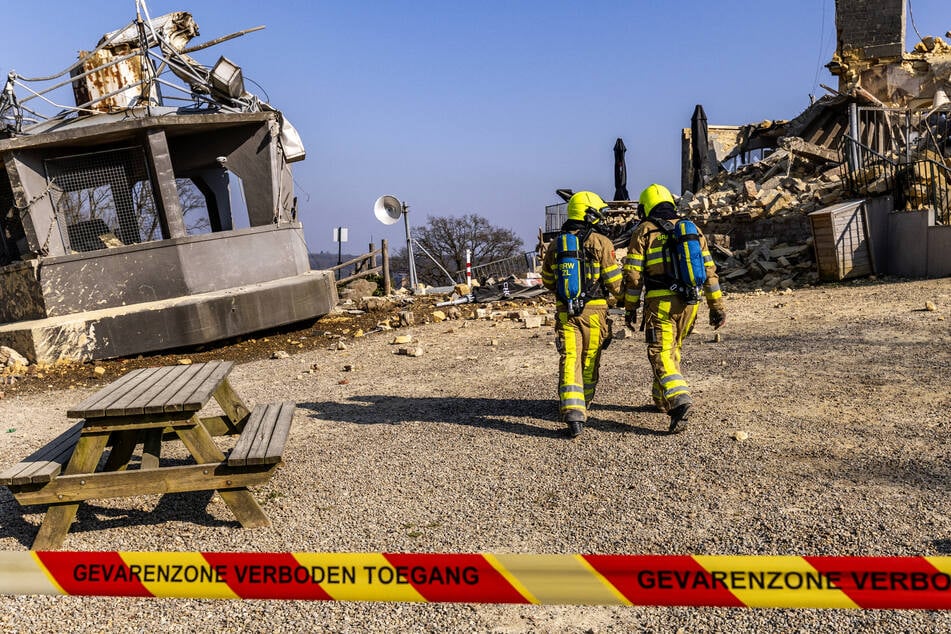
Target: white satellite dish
{"type": "Point", "coordinates": [387, 209]}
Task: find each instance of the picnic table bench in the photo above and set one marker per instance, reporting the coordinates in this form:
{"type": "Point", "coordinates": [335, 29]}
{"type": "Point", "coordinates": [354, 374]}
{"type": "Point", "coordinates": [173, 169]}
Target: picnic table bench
{"type": "Point", "coordinates": [148, 407]}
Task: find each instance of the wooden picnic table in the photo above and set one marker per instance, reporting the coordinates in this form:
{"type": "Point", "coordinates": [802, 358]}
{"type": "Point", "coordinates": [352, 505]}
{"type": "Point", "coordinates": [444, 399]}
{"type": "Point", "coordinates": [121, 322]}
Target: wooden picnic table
{"type": "Point", "coordinates": [149, 407]}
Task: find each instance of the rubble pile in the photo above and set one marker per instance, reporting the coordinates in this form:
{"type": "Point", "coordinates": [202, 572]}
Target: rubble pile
{"type": "Point", "coordinates": [756, 217]}
{"type": "Point", "coordinates": [756, 214]}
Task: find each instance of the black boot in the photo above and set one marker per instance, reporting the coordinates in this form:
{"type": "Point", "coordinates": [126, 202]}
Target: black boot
{"type": "Point", "coordinates": [575, 420]}
{"type": "Point", "coordinates": [678, 418]}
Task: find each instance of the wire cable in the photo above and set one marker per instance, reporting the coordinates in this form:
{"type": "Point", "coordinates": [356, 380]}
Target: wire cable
{"type": "Point", "coordinates": [911, 16]}
{"type": "Point", "coordinates": [822, 31]}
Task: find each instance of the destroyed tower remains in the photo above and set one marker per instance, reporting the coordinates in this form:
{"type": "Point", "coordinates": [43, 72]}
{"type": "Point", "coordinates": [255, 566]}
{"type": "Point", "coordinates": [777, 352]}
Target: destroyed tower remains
{"type": "Point", "coordinates": [158, 212]}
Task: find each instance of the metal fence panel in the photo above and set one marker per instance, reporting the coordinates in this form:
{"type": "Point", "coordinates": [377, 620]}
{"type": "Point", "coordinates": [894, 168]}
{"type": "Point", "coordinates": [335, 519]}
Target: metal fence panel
{"type": "Point", "coordinates": [517, 265]}
{"type": "Point", "coordinates": [103, 196]}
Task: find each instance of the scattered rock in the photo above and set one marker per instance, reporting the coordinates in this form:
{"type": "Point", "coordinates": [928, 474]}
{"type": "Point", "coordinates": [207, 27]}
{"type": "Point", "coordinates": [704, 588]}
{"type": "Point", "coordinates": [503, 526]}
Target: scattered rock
{"type": "Point", "coordinates": [374, 303]}
{"type": "Point", "coordinates": [184, 362]}
{"type": "Point", "coordinates": [280, 354]}
{"type": "Point", "coordinates": [99, 370]}
{"type": "Point", "coordinates": [10, 357]}
{"type": "Point", "coordinates": [740, 435]}
{"type": "Point", "coordinates": [359, 288]}
{"type": "Point", "coordinates": [438, 316]}
{"type": "Point", "coordinates": [400, 339]}
{"type": "Point", "coordinates": [930, 306]}
{"type": "Point", "coordinates": [533, 321]}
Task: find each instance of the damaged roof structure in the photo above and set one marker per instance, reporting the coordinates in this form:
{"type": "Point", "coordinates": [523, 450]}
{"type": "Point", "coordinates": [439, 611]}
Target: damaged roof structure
{"type": "Point", "coordinates": [157, 212]}
{"type": "Point", "coordinates": [860, 177]}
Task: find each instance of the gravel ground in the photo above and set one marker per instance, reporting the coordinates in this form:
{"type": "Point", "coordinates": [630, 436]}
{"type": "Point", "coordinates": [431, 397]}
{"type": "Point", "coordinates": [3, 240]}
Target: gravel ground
{"type": "Point", "coordinates": [842, 390]}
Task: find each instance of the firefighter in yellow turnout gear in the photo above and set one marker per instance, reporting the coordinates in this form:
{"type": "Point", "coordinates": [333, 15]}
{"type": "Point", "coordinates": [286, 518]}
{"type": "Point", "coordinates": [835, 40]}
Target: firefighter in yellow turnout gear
{"type": "Point", "coordinates": [580, 338]}
{"type": "Point", "coordinates": [668, 317]}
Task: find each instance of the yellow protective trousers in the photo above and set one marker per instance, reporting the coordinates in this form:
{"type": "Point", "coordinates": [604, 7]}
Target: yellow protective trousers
{"type": "Point", "coordinates": [667, 322]}
{"type": "Point", "coordinates": [579, 340]}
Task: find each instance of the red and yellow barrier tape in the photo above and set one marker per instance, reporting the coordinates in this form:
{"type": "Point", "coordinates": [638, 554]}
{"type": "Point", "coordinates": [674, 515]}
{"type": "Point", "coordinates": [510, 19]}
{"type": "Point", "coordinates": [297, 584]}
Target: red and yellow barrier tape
{"type": "Point", "coordinates": [715, 580]}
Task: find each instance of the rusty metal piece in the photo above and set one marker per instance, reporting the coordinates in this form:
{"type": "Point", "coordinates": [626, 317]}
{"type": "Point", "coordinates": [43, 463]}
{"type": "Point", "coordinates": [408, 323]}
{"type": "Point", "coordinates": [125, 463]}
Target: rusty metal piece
{"type": "Point", "coordinates": [110, 87]}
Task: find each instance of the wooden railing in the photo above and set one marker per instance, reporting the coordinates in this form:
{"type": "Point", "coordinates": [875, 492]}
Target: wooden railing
{"type": "Point", "coordinates": [366, 265]}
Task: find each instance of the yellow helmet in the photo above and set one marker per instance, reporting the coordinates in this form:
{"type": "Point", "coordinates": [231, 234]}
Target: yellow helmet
{"type": "Point", "coordinates": [653, 196]}
{"type": "Point", "coordinates": [586, 206]}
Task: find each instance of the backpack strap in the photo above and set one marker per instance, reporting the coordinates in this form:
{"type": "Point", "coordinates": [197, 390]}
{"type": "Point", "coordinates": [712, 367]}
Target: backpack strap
{"type": "Point", "coordinates": [656, 282]}
{"type": "Point", "coordinates": [665, 225]}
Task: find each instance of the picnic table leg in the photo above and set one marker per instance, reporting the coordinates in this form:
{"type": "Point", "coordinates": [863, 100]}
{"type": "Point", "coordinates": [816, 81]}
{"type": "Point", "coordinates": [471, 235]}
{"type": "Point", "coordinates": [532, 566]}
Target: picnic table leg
{"type": "Point", "coordinates": [58, 517]}
{"type": "Point", "coordinates": [232, 405]}
{"type": "Point", "coordinates": [123, 444]}
{"type": "Point", "coordinates": [151, 448]}
{"type": "Point", "coordinates": [245, 508]}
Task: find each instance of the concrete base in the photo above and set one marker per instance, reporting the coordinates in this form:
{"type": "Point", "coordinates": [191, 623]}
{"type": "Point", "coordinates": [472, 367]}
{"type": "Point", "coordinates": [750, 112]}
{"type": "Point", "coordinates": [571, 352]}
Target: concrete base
{"type": "Point", "coordinates": [172, 323]}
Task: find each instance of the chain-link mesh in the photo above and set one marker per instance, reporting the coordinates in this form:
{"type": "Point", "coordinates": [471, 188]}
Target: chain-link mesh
{"type": "Point", "coordinates": [103, 199]}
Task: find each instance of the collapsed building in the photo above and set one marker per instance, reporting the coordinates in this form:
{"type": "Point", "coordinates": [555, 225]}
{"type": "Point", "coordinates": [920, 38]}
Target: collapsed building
{"type": "Point", "coordinates": [129, 224]}
{"type": "Point", "coordinates": [856, 184]}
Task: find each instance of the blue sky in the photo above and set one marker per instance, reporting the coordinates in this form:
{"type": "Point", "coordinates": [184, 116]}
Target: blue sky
{"type": "Point", "coordinates": [483, 107]}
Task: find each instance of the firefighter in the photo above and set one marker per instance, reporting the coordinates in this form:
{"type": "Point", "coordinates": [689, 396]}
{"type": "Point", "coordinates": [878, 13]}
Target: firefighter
{"type": "Point", "coordinates": [580, 338]}
{"type": "Point", "coordinates": [667, 317]}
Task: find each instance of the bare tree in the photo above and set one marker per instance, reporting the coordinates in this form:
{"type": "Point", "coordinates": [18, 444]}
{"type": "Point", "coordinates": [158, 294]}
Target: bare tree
{"type": "Point", "coordinates": [194, 207]}
{"type": "Point", "coordinates": [446, 240]}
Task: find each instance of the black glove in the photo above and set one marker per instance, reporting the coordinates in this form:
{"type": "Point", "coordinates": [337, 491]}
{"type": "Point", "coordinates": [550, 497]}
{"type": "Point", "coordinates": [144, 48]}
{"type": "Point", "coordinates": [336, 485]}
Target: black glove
{"type": "Point", "coordinates": [608, 334]}
{"type": "Point", "coordinates": [717, 317]}
{"type": "Point", "coordinates": [630, 317]}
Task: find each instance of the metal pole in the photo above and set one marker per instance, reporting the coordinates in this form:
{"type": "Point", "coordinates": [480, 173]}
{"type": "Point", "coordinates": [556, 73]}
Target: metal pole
{"type": "Point", "coordinates": [339, 248]}
{"type": "Point", "coordinates": [469, 268]}
{"type": "Point", "coordinates": [409, 249]}
{"type": "Point", "coordinates": [907, 136]}
{"type": "Point", "coordinates": [853, 147]}
{"type": "Point", "coordinates": [436, 262]}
